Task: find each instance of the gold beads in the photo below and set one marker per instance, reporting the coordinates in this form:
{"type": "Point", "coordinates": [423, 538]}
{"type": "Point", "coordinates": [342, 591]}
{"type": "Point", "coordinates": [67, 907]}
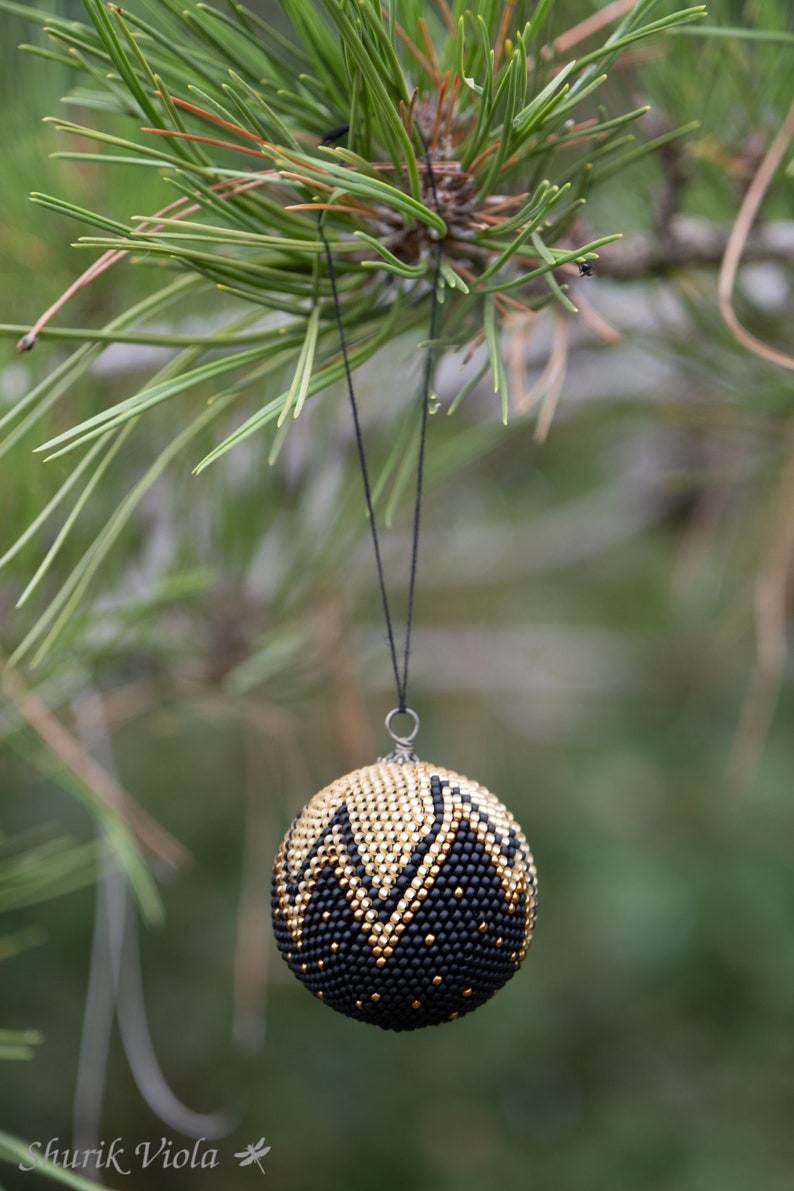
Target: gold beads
{"type": "Point", "coordinates": [391, 864]}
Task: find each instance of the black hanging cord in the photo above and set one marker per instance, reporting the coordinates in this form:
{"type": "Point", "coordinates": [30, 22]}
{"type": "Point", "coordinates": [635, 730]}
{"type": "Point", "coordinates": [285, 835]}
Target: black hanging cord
{"type": "Point", "coordinates": [401, 680]}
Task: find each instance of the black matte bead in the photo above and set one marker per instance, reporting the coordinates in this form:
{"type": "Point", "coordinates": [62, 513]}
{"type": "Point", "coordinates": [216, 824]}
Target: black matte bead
{"type": "Point", "coordinates": [448, 943]}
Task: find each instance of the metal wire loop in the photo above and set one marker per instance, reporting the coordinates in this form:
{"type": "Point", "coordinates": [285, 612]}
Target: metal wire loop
{"type": "Point", "coordinates": [405, 741]}
{"type": "Point", "coordinates": [404, 750]}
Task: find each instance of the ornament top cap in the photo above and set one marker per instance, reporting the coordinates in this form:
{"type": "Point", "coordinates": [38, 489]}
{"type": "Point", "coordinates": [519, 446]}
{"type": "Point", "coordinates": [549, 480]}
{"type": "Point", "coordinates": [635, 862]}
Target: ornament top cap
{"type": "Point", "coordinates": [404, 752]}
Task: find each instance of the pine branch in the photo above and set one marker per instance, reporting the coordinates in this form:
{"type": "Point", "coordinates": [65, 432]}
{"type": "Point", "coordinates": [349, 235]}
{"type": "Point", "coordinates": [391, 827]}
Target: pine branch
{"type": "Point", "coordinates": [400, 129]}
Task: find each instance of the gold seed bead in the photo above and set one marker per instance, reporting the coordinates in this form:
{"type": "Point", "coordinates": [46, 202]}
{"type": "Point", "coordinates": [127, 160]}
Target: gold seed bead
{"type": "Point", "coordinates": [375, 997]}
{"type": "Point", "coordinates": [416, 1004]}
{"type": "Point", "coordinates": [467, 992]}
{"type": "Point", "coordinates": [436, 980]}
{"type": "Point", "coordinates": [430, 939]}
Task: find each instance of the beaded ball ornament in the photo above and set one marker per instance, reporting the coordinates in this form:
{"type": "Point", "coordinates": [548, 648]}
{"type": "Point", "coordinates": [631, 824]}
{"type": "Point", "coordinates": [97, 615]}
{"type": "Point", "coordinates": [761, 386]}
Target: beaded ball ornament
{"type": "Point", "coordinates": [404, 895]}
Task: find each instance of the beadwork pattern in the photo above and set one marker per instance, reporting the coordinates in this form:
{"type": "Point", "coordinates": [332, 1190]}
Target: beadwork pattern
{"type": "Point", "coordinates": [404, 895]}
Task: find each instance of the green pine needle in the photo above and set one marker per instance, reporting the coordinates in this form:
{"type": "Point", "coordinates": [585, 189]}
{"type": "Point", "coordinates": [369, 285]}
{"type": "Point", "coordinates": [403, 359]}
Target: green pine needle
{"type": "Point", "coordinates": [477, 141]}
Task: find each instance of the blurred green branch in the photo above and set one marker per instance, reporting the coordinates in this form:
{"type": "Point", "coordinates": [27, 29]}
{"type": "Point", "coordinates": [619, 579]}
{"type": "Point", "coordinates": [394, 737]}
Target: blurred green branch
{"type": "Point", "coordinates": [466, 129]}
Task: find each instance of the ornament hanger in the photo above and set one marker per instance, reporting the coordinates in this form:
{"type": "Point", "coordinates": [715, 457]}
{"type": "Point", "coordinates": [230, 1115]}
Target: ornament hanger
{"type": "Point", "coordinates": [404, 894]}
{"type": "Point", "coordinates": [405, 744]}
{"type": "Point", "coordinates": [404, 751]}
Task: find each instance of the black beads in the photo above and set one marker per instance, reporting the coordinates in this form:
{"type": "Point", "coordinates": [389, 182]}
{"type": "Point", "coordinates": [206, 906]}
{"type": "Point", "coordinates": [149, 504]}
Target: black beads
{"type": "Point", "coordinates": [404, 895]}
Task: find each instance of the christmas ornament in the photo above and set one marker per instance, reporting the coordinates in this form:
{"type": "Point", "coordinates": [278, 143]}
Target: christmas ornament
{"type": "Point", "coordinates": [404, 894]}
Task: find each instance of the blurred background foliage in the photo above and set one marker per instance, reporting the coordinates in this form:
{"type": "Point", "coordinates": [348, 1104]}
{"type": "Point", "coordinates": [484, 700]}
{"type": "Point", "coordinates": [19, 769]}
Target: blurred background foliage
{"type": "Point", "coordinates": [600, 638]}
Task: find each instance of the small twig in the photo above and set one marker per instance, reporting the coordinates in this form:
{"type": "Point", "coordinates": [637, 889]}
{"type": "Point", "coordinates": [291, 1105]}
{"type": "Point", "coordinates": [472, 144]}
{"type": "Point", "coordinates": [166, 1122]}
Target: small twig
{"type": "Point", "coordinates": [689, 243]}
{"type": "Point", "coordinates": [104, 787]}
{"type": "Point", "coordinates": [738, 238]}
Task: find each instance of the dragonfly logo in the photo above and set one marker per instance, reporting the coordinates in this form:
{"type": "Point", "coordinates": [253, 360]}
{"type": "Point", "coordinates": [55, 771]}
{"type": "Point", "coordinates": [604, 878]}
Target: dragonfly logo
{"type": "Point", "coordinates": [253, 1153]}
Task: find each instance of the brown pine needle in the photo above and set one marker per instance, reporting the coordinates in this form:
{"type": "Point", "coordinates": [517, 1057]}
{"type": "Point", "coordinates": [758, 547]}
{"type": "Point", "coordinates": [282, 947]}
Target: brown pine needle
{"type": "Point", "coordinates": [448, 20]}
{"type": "Point", "coordinates": [327, 207]}
{"type": "Point", "coordinates": [233, 187]}
{"type": "Point", "coordinates": [481, 157]}
{"type": "Point", "coordinates": [519, 334]}
{"type": "Point", "coordinates": [442, 92]}
{"type": "Point", "coordinates": [312, 183]}
{"type": "Point", "coordinates": [738, 238]}
{"type": "Point", "coordinates": [413, 48]}
{"type": "Point", "coordinates": [205, 140]}
{"type": "Point", "coordinates": [431, 52]}
{"type": "Point", "coordinates": [205, 115]}
{"type": "Point", "coordinates": [589, 26]}
{"type": "Point", "coordinates": [98, 780]}
{"type": "Point", "coordinates": [501, 36]}
{"type": "Point", "coordinates": [407, 114]}
{"type": "Point", "coordinates": [457, 83]}
{"type": "Point", "coordinates": [596, 321]}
